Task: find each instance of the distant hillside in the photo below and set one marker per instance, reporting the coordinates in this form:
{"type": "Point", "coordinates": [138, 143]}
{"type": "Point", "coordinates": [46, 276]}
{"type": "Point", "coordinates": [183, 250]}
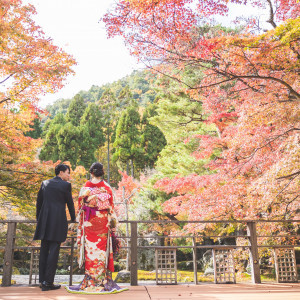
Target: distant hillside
{"type": "Point", "coordinates": [139, 83]}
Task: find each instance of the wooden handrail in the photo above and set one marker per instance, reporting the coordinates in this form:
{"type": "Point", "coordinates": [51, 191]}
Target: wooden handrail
{"type": "Point", "coordinates": [251, 236]}
{"type": "Point", "coordinates": [175, 221]}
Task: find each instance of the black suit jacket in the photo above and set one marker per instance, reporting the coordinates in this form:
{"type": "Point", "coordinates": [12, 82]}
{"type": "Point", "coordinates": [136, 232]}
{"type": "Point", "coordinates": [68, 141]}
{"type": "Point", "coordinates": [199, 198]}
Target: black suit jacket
{"type": "Point", "coordinates": [51, 217]}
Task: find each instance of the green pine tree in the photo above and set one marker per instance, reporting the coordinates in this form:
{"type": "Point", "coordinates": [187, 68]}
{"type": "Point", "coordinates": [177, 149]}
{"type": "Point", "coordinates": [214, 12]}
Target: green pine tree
{"type": "Point", "coordinates": [108, 105]}
{"type": "Point", "coordinates": [50, 150]}
{"type": "Point", "coordinates": [179, 118]}
{"type": "Point", "coordinates": [91, 133]}
{"type": "Point", "coordinates": [86, 154]}
{"type": "Point", "coordinates": [125, 97]}
{"type": "Point", "coordinates": [69, 143]}
{"type": "Point", "coordinates": [152, 138]}
{"type": "Point", "coordinates": [58, 119]}
{"type": "Point", "coordinates": [36, 127]}
{"type": "Point", "coordinates": [127, 141]}
{"type": "Point", "coordinates": [76, 110]}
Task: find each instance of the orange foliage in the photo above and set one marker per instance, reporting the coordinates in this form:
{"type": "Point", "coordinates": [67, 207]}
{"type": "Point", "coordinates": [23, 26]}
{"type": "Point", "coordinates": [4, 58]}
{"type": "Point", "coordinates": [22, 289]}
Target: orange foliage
{"type": "Point", "coordinates": [249, 89]}
{"type": "Point", "coordinates": [129, 184]}
{"type": "Point", "coordinates": [30, 65]}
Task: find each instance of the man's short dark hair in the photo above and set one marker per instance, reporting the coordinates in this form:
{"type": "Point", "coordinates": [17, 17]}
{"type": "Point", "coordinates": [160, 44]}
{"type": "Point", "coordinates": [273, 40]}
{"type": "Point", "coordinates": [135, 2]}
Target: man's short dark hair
{"type": "Point", "coordinates": [61, 167]}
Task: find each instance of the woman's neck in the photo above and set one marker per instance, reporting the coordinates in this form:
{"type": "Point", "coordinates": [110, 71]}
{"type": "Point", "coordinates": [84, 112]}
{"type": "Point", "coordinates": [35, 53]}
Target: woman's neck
{"type": "Point", "coordinates": [96, 179]}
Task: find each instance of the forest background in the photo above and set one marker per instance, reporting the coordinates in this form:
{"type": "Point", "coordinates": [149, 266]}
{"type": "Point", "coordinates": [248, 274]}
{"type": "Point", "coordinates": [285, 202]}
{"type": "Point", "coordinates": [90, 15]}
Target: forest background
{"type": "Point", "coordinates": [210, 130]}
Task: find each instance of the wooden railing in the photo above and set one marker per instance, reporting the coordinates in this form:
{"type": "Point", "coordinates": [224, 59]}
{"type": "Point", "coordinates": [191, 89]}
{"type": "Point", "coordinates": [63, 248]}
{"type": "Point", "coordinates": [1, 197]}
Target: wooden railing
{"type": "Point", "coordinates": [10, 247]}
{"type": "Point", "coordinates": [251, 237]}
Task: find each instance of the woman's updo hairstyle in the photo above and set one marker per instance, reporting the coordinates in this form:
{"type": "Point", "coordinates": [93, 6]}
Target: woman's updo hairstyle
{"type": "Point", "coordinates": [96, 169]}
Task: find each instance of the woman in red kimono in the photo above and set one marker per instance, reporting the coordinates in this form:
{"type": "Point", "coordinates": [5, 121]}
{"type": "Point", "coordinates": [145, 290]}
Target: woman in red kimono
{"type": "Point", "coordinates": [96, 221]}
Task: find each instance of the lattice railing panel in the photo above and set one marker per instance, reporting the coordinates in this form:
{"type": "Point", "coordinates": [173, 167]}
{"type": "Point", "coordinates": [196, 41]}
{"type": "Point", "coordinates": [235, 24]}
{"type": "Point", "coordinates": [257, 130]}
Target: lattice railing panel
{"type": "Point", "coordinates": [224, 271]}
{"type": "Point", "coordinates": [285, 265]}
{"type": "Point", "coordinates": [166, 266]}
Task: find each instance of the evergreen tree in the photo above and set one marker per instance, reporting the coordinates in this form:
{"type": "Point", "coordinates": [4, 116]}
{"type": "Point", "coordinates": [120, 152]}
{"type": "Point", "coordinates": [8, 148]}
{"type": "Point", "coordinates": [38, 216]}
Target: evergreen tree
{"type": "Point", "coordinates": [69, 143]}
{"type": "Point", "coordinates": [94, 120]}
{"type": "Point", "coordinates": [108, 105]}
{"type": "Point", "coordinates": [76, 110]}
{"type": "Point", "coordinates": [179, 118]}
{"type": "Point", "coordinates": [86, 154]}
{"type": "Point", "coordinates": [36, 131]}
{"type": "Point", "coordinates": [63, 137]}
{"type": "Point", "coordinates": [125, 97]}
{"type": "Point", "coordinates": [139, 84]}
{"type": "Point", "coordinates": [127, 141]}
{"type": "Point", "coordinates": [50, 150]}
{"type": "Point", "coordinates": [45, 128]}
{"type": "Point", "coordinates": [91, 134]}
{"type": "Point", "coordinates": [58, 119]}
{"type": "Point", "coordinates": [152, 138]}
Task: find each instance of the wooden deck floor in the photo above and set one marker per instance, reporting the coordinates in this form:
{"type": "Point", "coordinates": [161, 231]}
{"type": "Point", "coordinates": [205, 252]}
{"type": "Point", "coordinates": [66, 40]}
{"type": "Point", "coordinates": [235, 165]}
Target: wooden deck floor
{"type": "Point", "coordinates": [265, 291]}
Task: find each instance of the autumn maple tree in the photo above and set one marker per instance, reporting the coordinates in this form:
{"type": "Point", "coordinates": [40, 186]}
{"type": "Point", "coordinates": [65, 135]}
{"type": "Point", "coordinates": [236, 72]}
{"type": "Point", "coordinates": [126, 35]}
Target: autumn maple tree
{"type": "Point", "coordinates": [248, 85]}
{"type": "Point", "coordinates": [31, 65]}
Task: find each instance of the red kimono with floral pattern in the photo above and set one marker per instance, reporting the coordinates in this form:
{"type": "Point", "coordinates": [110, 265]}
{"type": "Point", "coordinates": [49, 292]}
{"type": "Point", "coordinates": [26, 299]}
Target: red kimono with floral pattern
{"type": "Point", "coordinates": [93, 238]}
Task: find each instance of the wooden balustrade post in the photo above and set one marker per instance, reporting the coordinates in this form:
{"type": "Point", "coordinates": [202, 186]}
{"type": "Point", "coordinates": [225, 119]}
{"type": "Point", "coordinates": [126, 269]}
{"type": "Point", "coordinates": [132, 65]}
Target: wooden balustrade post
{"type": "Point", "coordinates": [254, 257]}
{"type": "Point", "coordinates": [31, 265]}
{"type": "Point", "coordinates": [9, 253]}
{"type": "Point", "coordinates": [195, 260]}
{"type": "Point", "coordinates": [71, 263]}
{"type": "Point", "coordinates": [133, 254]}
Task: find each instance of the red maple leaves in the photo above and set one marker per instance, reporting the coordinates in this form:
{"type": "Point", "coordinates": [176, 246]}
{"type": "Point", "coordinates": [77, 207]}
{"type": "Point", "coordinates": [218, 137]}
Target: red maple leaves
{"type": "Point", "coordinates": [249, 88]}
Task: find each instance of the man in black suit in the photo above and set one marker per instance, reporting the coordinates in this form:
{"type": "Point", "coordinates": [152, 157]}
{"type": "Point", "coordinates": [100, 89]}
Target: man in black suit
{"type": "Point", "coordinates": [52, 225]}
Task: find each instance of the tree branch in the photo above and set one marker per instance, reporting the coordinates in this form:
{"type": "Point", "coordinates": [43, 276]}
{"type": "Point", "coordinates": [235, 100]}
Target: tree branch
{"type": "Point", "coordinates": [289, 176]}
{"type": "Point", "coordinates": [271, 19]}
{"type": "Point", "coordinates": [21, 172]}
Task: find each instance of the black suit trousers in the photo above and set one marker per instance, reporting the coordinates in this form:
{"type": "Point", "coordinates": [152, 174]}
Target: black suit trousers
{"type": "Point", "coordinates": [48, 260]}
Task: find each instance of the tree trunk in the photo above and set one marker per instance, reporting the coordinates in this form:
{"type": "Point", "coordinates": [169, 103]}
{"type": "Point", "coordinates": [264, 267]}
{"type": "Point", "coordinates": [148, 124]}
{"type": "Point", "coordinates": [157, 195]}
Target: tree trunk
{"type": "Point", "coordinates": [132, 171]}
{"type": "Point", "coordinates": [125, 201]}
{"type": "Point", "coordinates": [108, 166]}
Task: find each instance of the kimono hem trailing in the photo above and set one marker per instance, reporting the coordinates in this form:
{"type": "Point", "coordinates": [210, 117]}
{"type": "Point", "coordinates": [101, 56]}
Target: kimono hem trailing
{"type": "Point", "coordinates": [95, 214]}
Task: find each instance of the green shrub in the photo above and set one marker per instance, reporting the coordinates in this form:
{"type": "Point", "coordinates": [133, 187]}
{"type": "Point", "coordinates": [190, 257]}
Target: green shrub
{"type": "Point", "coordinates": [24, 271]}
{"type": "Point", "coordinates": [62, 272]}
{"type": "Point", "coordinates": [117, 266]}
